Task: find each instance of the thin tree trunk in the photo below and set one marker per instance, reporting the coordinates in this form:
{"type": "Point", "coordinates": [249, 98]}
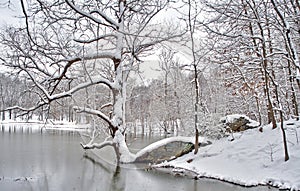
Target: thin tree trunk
{"type": "Point", "coordinates": [271, 115]}
{"type": "Point", "coordinates": [10, 114]}
{"type": "Point", "coordinates": [3, 115]}
{"type": "Point", "coordinates": [191, 30]}
{"type": "Point", "coordinates": [293, 93]}
{"type": "Point", "coordinates": [286, 153]}
{"type": "Point", "coordinates": [258, 110]}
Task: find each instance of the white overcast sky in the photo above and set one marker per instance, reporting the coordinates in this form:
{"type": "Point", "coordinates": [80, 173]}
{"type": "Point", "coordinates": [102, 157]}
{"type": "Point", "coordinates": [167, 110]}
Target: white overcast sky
{"type": "Point", "coordinates": [10, 12]}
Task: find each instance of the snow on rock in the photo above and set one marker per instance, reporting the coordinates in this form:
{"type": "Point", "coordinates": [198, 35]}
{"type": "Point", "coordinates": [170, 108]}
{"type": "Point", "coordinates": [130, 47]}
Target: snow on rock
{"type": "Point", "coordinates": [254, 158]}
{"type": "Point", "coordinates": [238, 122]}
{"type": "Point", "coordinates": [233, 117]}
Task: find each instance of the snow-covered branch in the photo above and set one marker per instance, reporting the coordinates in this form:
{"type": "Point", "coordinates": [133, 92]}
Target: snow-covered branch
{"type": "Point", "coordinates": [81, 86]}
{"type": "Point", "coordinates": [228, 35]}
{"type": "Point", "coordinates": [93, 112]}
{"type": "Point", "coordinates": [106, 18]}
{"type": "Point", "coordinates": [106, 105]}
{"type": "Point", "coordinates": [16, 107]}
{"type": "Point", "coordinates": [90, 16]}
{"type": "Point", "coordinates": [96, 55]}
{"type": "Point", "coordinates": [157, 41]}
{"type": "Point", "coordinates": [97, 145]}
{"type": "Point", "coordinates": [70, 61]}
{"type": "Point", "coordinates": [95, 39]}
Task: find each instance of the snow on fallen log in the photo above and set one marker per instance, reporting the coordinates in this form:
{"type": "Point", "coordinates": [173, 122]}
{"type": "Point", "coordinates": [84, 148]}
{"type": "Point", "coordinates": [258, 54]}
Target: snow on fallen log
{"type": "Point", "coordinates": [163, 142]}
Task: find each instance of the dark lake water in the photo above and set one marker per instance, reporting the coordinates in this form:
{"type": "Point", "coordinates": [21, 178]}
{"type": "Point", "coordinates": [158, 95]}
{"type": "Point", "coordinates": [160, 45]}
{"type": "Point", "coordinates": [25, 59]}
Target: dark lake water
{"type": "Point", "coordinates": [32, 158]}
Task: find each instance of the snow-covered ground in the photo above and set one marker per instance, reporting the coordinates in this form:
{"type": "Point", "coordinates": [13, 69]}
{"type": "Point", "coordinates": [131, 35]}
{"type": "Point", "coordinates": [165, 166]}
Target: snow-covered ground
{"type": "Point", "coordinates": [252, 158]}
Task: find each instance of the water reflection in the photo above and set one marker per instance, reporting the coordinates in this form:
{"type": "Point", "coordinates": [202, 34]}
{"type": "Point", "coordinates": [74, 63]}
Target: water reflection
{"type": "Point", "coordinates": [35, 158]}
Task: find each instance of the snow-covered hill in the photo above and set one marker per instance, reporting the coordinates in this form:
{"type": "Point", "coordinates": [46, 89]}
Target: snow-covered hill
{"type": "Point", "coordinates": [253, 158]}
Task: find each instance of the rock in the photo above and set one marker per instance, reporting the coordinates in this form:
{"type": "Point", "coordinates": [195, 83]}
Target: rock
{"type": "Point", "coordinates": [237, 123]}
{"type": "Point", "coordinates": [189, 161]}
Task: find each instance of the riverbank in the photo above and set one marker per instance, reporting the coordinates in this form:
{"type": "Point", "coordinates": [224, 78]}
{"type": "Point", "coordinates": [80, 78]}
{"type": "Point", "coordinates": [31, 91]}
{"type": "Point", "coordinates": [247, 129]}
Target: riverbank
{"type": "Point", "coordinates": [49, 124]}
{"type": "Point", "coordinates": [253, 158]}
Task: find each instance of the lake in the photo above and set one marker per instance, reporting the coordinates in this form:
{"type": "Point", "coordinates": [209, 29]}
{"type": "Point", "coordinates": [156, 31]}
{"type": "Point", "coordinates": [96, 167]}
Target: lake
{"type": "Point", "coordinates": [35, 158]}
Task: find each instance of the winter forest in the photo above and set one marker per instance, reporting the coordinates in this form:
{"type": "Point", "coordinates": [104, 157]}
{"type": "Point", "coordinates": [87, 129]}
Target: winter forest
{"type": "Point", "coordinates": [84, 62]}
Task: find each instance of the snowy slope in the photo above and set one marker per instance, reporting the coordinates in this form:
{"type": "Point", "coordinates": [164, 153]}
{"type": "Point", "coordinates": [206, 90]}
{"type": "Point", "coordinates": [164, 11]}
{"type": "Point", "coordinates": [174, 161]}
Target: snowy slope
{"type": "Point", "coordinates": [253, 158]}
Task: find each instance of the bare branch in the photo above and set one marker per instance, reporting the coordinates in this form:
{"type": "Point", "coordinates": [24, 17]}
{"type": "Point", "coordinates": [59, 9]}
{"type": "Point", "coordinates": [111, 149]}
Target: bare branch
{"type": "Point", "coordinates": [94, 112]}
{"type": "Point", "coordinates": [144, 46]}
{"type": "Point", "coordinates": [106, 105]}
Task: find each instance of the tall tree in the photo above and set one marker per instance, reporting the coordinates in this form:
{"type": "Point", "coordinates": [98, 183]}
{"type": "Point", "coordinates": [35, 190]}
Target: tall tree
{"type": "Point", "coordinates": [197, 53]}
{"type": "Point", "coordinates": [62, 36]}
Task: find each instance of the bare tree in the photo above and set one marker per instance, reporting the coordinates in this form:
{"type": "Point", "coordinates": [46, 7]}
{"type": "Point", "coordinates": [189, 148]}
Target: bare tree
{"type": "Point", "coordinates": [197, 52]}
{"type": "Point", "coordinates": [65, 41]}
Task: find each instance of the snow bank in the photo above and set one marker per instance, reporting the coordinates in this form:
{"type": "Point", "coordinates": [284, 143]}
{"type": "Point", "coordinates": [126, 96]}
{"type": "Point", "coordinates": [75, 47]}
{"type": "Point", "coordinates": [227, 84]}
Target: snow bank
{"type": "Point", "coordinates": [254, 158]}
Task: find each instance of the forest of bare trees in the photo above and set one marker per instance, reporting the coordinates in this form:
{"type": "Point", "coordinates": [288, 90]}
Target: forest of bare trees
{"type": "Point", "coordinates": [71, 61]}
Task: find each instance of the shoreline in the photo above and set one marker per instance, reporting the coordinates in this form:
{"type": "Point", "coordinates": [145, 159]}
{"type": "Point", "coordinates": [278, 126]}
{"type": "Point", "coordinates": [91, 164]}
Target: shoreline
{"type": "Point", "coordinates": [182, 172]}
{"type": "Point", "coordinates": [58, 125]}
{"type": "Point", "coordinates": [253, 158]}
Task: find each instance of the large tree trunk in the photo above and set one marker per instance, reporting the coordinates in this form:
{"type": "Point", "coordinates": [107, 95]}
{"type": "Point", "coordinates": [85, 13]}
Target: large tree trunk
{"type": "Point", "coordinates": [119, 96]}
{"type": "Point", "coordinates": [122, 152]}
